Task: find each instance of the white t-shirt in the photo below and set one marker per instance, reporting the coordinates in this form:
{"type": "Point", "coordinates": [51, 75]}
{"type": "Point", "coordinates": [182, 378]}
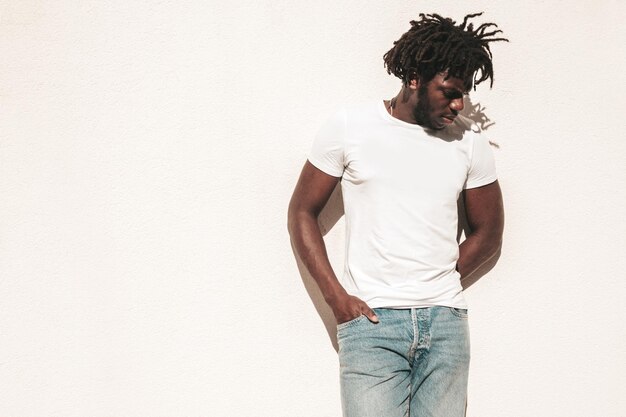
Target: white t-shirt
{"type": "Point", "coordinates": [400, 184]}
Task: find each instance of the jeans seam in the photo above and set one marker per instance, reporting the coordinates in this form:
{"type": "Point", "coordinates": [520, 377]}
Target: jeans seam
{"type": "Point", "coordinates": [413, 346]}
{"type": "Point", "coordinates": [457, 313]}
{"type": "Point", "coordinates": [349, 322]}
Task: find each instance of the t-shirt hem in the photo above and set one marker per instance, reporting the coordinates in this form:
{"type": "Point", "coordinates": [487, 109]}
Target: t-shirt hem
{"type": "Point", "coordinates": [480, 183]}
{"type": "Point", "coordinates": [322, 167]}
{"type": "Point", "coordinates": [456, 301]}
{"type": "Point", "coordinates": [420, 305]}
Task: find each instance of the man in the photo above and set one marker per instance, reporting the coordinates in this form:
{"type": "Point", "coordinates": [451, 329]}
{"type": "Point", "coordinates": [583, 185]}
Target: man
{"type": "Point", "coordinates": [402, 319]}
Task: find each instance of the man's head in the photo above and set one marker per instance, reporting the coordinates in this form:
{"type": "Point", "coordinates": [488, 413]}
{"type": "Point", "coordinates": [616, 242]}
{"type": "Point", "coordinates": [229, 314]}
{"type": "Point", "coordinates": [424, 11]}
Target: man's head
{"type": "Point", "coordinates": [438, 62]}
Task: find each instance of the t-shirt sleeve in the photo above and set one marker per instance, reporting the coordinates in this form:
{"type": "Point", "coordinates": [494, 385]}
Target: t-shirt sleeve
{"type": "Point", "coordinates": [482, 170]}
{"type": "Point", "coordinates": [327, 152]}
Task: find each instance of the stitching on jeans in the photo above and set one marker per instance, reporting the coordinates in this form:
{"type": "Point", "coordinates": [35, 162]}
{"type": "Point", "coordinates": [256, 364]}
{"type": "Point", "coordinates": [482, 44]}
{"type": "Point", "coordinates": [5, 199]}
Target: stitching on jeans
{"type": "Point", "coordinates": [349, 322]}
{"type": "Point", "coordinates": [457, 312]}
{"type": "Point", "coordinates": [414, 343]}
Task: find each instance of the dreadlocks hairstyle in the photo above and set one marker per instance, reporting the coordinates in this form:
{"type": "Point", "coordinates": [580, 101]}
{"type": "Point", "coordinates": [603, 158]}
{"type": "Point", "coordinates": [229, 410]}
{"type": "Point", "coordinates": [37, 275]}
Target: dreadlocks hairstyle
{"type": "Point", "coordinates": [435, 44]}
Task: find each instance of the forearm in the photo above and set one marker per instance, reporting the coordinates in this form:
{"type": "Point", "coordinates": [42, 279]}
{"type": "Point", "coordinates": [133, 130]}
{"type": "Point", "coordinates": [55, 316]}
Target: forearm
{"type": "Point", "coordinates": [309, 245]}
{"type": "Point", "coordinates": [474, 251]}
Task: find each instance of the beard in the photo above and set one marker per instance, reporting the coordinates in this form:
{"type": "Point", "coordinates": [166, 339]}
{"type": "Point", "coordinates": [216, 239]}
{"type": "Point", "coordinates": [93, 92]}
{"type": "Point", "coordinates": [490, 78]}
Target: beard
{"type": "Point", "coordinates": [423, 109]}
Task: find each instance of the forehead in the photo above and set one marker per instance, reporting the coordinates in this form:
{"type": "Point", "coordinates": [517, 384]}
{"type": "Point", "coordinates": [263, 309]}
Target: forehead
{"type": "Point", "coordinates": [453, 83]}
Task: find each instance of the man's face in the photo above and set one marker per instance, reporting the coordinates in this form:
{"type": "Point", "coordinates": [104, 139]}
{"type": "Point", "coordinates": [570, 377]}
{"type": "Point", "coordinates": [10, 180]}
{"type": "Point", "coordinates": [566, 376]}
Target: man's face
{"type": "Point", "coordinates": [439, 101]}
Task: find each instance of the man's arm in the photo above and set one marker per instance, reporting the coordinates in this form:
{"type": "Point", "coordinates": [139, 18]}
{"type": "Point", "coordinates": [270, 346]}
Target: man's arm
{"type": "Point", "coordinates": [485, 217]}
{"type": "Point", "coordinates": [311, 194]}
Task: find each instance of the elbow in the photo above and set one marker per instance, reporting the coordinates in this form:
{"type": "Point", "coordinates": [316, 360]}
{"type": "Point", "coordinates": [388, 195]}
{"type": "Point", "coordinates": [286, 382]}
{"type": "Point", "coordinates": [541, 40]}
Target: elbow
{"type": "Point", "coordinates": [299, 214]}
{"type": "Point", "coordinates": [291, 216]}
{"type": "Point", "coordinates": [496, 248]}
{"type": "Point", "coordinates": [492, 236]}
{"type": "Point", "coordinates": [489, 241]}
{"type": "Point", "coordinates": [291, 222]}
{"type": "Point", "coordinates": [493, 244]}
{"type": "Point", "coordinates": [295, 216]}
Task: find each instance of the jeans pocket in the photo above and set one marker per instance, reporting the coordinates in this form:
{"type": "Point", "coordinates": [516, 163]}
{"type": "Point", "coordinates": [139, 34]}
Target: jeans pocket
{"type": "Point", "coordinates": [350, 322]}
{"type": "Point", "coordinates": [459, 312]}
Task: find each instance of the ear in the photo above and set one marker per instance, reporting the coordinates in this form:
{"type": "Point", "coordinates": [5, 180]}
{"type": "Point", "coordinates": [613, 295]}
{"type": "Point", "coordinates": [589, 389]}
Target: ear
{"type": "Point", "coordinates": [414, 80]}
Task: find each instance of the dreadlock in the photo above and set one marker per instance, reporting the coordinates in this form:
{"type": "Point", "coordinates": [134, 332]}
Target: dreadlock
{"type": "Point", "coordinates": [434, 44]}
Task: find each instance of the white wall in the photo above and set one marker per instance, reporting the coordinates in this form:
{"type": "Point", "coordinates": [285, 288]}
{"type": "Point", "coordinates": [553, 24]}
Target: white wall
{"type": "Point", "coordinates": [148, 151]}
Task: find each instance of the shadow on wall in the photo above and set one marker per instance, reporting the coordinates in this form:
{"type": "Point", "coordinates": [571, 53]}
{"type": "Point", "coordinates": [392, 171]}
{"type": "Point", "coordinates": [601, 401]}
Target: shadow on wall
{"type": "Point", "coordinates": [333, 211]}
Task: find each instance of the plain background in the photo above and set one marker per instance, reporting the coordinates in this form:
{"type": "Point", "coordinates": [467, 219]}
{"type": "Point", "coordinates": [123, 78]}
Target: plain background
{"type": "Point", "coordinates": [148, 151]}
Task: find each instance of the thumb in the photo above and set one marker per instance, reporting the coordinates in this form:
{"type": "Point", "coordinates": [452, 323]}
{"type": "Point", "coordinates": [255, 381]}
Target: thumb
{"type": "Point", "coordinates": [372, 316]}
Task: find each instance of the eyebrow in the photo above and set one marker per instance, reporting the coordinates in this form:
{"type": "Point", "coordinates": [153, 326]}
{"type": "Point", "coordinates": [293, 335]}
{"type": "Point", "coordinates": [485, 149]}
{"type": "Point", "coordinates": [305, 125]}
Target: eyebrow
{"type": "Point", "coordinates": [448, 90]}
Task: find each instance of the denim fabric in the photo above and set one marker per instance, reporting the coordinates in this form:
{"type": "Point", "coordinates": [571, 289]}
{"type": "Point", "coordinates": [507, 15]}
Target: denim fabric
{"type": "Point", "coordinates": [413, 363]}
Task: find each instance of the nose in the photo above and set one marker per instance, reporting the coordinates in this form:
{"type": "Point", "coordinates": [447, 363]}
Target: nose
{"type": "Point", "coordinates": [457, 104]}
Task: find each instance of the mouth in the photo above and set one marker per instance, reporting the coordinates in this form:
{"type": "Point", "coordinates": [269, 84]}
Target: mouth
{"type": "Point", "coordinates": [448, 119]}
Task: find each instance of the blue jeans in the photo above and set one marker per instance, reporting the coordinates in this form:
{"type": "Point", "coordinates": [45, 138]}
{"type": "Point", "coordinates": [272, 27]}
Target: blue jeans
{"type": "Point", "coordinates": [413, 363]}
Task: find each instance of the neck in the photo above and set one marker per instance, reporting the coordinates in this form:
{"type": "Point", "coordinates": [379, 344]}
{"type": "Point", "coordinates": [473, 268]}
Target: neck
{"type": "Point", "coordinates": [401, 106]}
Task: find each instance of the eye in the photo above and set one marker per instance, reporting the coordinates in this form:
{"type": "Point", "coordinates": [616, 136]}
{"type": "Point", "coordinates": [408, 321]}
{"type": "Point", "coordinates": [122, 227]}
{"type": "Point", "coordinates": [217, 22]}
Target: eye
{"type": "Point", "coordinates": [451, 95]}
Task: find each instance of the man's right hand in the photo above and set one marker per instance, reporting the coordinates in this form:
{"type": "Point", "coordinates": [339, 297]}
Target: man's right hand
{"type": "Point", "coordinates": [312, 192]}
{"type": "Point", "coordinates": [349, 307]}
